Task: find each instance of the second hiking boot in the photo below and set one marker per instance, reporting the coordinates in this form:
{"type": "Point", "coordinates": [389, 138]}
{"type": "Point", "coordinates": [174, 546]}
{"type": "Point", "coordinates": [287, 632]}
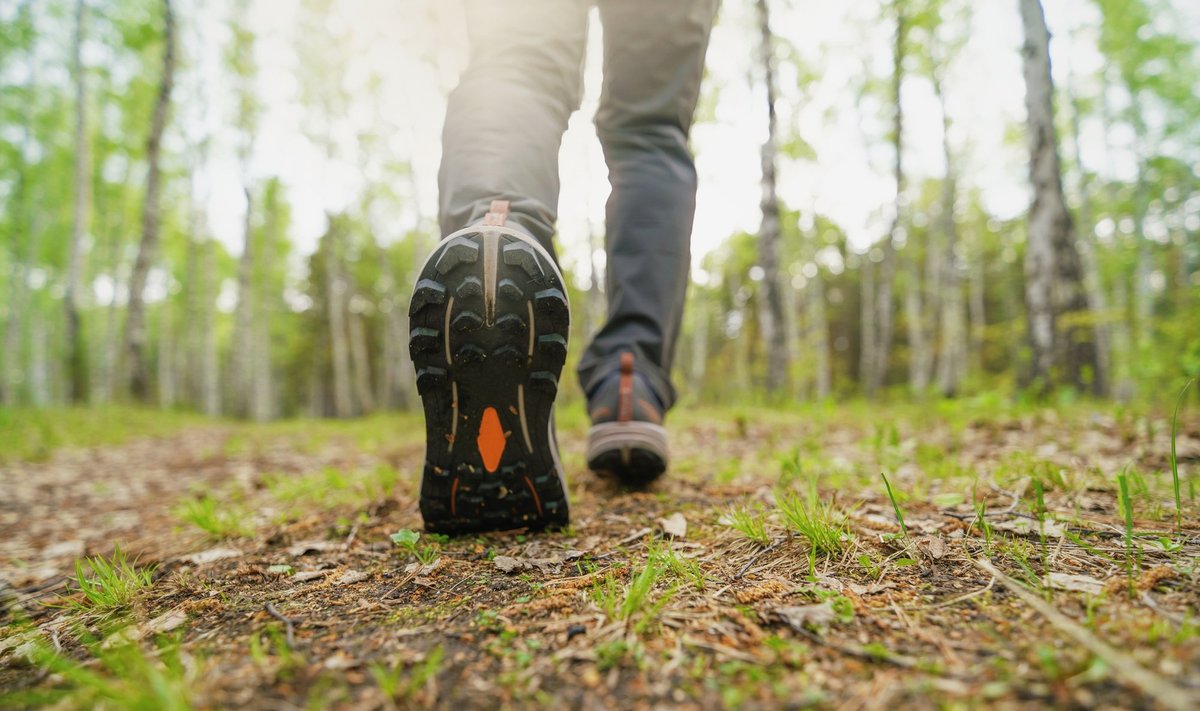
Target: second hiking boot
{"type": "Point", "coordinates": [489, 320]}
{"type": "Point", "coordinates": [627, 439]}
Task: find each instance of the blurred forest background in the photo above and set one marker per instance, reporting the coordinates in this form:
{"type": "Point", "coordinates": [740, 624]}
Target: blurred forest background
{"type": "Point", "coordinates": [164, 243]}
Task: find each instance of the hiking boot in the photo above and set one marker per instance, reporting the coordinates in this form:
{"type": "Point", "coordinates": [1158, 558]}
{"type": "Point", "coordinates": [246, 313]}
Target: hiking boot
{"type": "Point", "coordinates": [489, 320]}
{"type": "Point", "coordinates": [627, 439]}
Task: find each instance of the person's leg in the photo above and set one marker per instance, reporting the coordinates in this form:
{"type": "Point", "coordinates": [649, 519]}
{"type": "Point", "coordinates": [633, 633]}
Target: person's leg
{"type": "Point", "coordinates": [653, 62]}
{"type": "Point", "coordinates": [488, 319]}
{"type": "Point", "coordinates": [505, 120]}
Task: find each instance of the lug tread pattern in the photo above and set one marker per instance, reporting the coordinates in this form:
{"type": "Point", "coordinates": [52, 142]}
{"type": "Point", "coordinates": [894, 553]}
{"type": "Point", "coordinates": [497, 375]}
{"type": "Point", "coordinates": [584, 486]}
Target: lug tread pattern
{"type": "Point", "coordinates": [487, 364]}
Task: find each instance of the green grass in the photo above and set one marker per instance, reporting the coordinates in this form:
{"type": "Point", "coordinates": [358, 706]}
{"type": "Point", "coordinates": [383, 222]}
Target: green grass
{"type": "Point", "coordinates": [819, 522]}
{"type": "Point", "coordinates": [749, 522]}
{"type": "Point", "coordinates": [29, 434]}
{"type": "Point", "coordinates": [1174, 459]}
{"type": "Point", "coordinates": [220, 520]}
{"type": "Point", "coordinates": [117, 674]}
{"type": "Point", "coordinates": [333, 487]}
{"type": "Point", "coordinates": [1126, 502]}
{"type": "Point", "coordinates": [400, 682]}
{"type": "Point", "coordinates": [113, 582]}
{"type": "Point", "coordinates": [895, 505]}
{"type": "Point", "coordinates": [684, 569]}
{"type": "Point", "coordinates": [633, 600]}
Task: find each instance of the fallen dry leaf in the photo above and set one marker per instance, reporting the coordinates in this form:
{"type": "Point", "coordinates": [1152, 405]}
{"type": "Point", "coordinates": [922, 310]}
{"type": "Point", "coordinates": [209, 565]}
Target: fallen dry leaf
{"type": "Point", "coordinates": [1075, 583]}
{"type": "Point", "coordinates": [797, 617]}
{"type": "Point", "coordinates": [165, 622]}
{"type": "Point", "coordinates": [1026, 527]}
{"type": "Point", "coordinates": [212, 555]}
{"type": "Point", "coordinates": [305, 547]}
{"type": "Point", "coordinates": [674, 525]}
{"type": "Point", "coordinates": [350, 577]}
{"type": "Point", "coordinates": [932, 547]}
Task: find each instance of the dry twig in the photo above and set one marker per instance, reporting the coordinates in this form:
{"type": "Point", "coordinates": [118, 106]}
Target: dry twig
{"type": "Point", "coordinates": [1123, 665]}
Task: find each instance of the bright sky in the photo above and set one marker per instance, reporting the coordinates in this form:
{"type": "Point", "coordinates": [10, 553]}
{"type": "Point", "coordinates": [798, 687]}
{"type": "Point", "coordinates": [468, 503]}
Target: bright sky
{"type": "Point", "coordinates": [417, 49]}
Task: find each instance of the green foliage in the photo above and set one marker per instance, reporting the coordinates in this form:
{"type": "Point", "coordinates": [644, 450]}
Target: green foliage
{"type": "Point", "coordinates": [110, 584]}
{"type": "Point", "coordinates": [220, 520]}
{"type": "Point", "coordinates": [750, 522]}
{"type": "Point", "coordinates": [821, 523]}
{"type": "Point", "coordinates": [116, 674]}
{"type": "Point", "coordinates": [635, 601]}
{"type": "Point", "coordinates": [33, 434]}
{"type": "Point", "coordinates": [895, 504]}
{"type": "Point", "coordinates": [400, 682]}
{"type": "Point", "coordinates": [407, 540]}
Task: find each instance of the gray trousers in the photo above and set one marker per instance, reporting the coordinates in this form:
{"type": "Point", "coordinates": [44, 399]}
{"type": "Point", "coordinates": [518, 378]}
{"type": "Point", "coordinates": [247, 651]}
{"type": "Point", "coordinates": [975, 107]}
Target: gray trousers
{"type": "Point", "coordinates": [504, 125]}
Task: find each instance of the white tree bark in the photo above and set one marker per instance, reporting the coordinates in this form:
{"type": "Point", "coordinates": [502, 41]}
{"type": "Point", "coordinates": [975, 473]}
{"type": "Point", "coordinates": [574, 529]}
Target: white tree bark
{"type": "Point", "coordinates": [336, 308]}
{"type": "Point", "coordinates": [887, 268]}
{"type": "Point", "coordinates": [135, 320]}
{"type": "Point", "coordinates": [769, 236]}
{"type": "Point", "coordinates": [1053, 278]}
{"type": "Point", "coordinates": [242, 361]}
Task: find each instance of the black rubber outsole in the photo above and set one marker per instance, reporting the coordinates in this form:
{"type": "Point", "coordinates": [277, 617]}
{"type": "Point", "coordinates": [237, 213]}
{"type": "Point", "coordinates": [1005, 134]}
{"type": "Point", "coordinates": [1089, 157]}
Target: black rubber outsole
{"type": "Point", "coordinates": [489, 324]}
{"type": "Point", "coordinates": [637, 469]}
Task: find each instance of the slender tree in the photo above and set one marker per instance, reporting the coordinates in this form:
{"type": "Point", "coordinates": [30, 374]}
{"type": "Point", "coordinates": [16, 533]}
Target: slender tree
{"type": "Point", "coordinates": [77, 370]}
{"type": "Point", "coordinates": [769, 232]}
{"type": "Point", "coordinates": [26, 233]}
{"type": "Point", "coordinates": [135, 319]}
{"type": "Point", "coordinates": [1054, 293]}
{"type": "Point", "coordinates": [884, 326]}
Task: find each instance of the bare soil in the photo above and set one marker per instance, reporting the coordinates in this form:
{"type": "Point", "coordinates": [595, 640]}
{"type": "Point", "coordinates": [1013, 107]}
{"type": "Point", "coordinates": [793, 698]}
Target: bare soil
{"type": "Point", "coordinates": [319, 608]}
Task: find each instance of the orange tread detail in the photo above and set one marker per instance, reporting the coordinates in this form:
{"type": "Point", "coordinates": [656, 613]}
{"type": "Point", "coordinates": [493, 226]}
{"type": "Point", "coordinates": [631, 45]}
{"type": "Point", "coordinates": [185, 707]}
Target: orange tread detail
{"type": "Point", "coordinates": [491, 439]}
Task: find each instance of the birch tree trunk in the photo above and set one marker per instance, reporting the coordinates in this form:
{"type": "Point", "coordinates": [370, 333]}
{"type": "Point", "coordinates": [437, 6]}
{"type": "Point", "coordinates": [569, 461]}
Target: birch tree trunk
{"type": "Point", "coordinates": [919, 351]}
{"type": "Point", "coordinates": [976, 306]}
{"type": "Point", "coordinates": [887, 269]}
{"type": "Point", "coordinates": [769, 233]}
{"type": "Point", "coordinates": [819, 325]}
{"type": "Point", "coordinates": [361, 362]}
{"type": "Point", "coordinates": [192, 309]}
{"type": "Point", "coordinates": [77, 370]}
{"type": "Point", "coordinates": [167, 391]}
{"type": "Point", "coordinates": [952, 363]}
{"type": "Point", "coordinates": [135, 320]}
{"type": "Point", "coordinates": [335, 301]}
{"type": "Point", "coordinates": [1059, 334]}
{"type": "Point", "coordinates": [242, 362]}
{"type": "Point", "coordinates": [210, 374]}
{"type": "Point", "coordinates": [867, 308]}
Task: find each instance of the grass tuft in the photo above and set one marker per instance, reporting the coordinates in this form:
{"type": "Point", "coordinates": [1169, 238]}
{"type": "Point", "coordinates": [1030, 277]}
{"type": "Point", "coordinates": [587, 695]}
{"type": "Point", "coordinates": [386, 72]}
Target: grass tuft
{"type": "Point", "coordinates": [821, 523]}
{"type": "Point", "coordinates": [751, 523]}
{"type": "Point", "coordinates": [221, 521]}
{"type": "Point", "coordinates": [118, 674]}
{"type": "Point", "coordinates": [400, 682]}
{"type": "Point", "coordinates": [633, 600]}
{"type": "Point", "coordinates": [113, 582]}
{"type": "Point", "coordinates": [895, 505]}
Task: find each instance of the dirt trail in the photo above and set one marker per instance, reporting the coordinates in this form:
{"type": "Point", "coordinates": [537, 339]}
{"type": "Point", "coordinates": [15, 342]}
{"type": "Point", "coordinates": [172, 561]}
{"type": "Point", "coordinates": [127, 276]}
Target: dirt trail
{"type": "Point", "coordinates": [650, 599]}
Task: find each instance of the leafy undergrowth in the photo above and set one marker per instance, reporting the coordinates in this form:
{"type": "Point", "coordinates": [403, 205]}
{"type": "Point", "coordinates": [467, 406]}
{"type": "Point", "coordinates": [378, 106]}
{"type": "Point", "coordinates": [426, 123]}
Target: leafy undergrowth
{"type": "Point", "coordinates": [964, 555]}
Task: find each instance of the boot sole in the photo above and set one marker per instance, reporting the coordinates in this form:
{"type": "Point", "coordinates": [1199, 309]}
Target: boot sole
{"type": "Point", "coordinates": [489, 321]}
{"type": "Point", "coordinates": [634, 452]}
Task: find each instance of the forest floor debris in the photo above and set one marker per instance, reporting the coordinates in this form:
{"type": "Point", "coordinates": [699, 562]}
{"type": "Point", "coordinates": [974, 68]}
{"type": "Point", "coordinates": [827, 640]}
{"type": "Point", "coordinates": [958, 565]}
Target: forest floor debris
{"type": "Point", "coordinates": [769, 568]}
